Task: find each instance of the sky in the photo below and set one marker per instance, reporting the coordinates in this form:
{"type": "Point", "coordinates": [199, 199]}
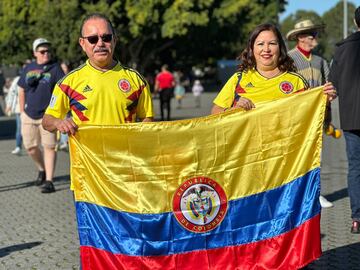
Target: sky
{"type": "Point", "coordinates": [319, 6]}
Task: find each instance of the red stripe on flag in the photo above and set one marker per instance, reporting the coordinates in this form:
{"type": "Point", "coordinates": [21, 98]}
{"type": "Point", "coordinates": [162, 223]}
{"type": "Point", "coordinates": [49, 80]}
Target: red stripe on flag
{"type": "Point", "coordinates": [291, 250]}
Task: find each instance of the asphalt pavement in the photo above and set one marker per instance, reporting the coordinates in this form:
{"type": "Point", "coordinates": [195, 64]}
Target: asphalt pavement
{"type": "Point", "coordinates": [38, 231]}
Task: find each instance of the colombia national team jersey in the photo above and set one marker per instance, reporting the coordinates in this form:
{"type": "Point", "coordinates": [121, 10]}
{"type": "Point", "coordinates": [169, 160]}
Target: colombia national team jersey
{"type": "Point", "coordinates": [257, 88]}
{"type": "Point", "coordinates": [117, 96]}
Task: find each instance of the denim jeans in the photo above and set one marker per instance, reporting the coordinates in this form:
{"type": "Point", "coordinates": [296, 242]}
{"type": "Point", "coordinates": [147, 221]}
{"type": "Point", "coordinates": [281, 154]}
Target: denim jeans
{"type": "Point", "coordinates": [18, 131]}
{"type": "Point", "coordinates": [352, 138]}
{"type": "Point", "coordinates": [63, 138]}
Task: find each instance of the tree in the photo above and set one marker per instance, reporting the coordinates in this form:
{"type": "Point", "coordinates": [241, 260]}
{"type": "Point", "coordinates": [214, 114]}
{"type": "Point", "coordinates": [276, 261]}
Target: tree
{"type": "Point", "coordinates": [149, 32]}
{"type": "Point", "coordinates": [13, 31]}
{"type": "Point", "coordinates": [333, 20]}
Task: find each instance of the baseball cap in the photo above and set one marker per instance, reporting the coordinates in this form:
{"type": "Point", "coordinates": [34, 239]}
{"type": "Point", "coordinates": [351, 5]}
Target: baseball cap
{"type": "Point", "coordinates": [40, 41]}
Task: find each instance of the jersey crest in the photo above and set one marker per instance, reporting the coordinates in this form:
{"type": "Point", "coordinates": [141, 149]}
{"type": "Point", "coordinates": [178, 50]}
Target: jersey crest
{"type": "Point", "coordinates": [286, 87]}
{"type": "Point", "coordinates": [124, 85]}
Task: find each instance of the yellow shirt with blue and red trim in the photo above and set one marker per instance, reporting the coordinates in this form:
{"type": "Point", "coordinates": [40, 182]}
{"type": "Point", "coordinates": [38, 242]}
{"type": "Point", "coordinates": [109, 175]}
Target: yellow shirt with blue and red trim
{"type": "Point", "coordinates": [113, 97]}
{"type": "Point", "coordinates": [257, 88]}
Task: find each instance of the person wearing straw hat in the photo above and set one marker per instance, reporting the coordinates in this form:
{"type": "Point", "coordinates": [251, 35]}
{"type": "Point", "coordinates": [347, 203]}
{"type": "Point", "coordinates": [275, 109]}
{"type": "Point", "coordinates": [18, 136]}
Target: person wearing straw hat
{"type": "Point", "coordinates": [312, 67]}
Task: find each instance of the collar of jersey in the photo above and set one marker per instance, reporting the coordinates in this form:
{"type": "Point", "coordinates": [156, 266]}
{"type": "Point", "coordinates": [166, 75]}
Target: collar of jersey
{"type": "Point", "coordinates": [260, 77]}
{"type": "Point", "coordinates": [117, 67]}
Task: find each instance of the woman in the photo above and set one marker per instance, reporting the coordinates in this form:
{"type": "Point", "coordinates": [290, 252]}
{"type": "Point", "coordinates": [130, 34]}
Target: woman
{"type": "Point", "coordinates": [266, 73]}
{"type": "Point", "coordinates": [13, 107]}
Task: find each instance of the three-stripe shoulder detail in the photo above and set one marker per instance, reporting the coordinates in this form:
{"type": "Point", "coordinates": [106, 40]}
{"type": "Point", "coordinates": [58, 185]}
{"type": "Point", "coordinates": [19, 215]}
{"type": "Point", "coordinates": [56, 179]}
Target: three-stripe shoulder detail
{"type": "Point", "coordinates": [306, 84]}
{"type": "Point", "coordinates": [71, 72]}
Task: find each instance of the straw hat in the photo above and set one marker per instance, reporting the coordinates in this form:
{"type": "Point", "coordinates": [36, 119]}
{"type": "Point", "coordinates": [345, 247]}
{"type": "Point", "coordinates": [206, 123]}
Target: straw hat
{"type": "Point", "coordinates": [304, 26]}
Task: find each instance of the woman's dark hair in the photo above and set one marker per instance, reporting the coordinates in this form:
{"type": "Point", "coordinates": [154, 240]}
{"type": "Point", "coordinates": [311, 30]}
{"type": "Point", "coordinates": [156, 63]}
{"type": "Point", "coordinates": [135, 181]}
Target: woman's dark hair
{"type": "Point", "coordinates": [96, 16]}
{"type": "Point", "coordinates": [247, 58]}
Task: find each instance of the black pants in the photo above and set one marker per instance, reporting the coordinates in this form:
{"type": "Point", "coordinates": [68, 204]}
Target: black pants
{"type": "Point", "coordinates": [165, 100]}
{"type": "Point", "coordinates": [328, 117]}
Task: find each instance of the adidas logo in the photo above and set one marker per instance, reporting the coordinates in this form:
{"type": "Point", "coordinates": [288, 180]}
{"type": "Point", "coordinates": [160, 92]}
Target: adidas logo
{"type": "Point", "coordinates": [249, 85]}
{"type": "Point", "coordinates": [87, 89]}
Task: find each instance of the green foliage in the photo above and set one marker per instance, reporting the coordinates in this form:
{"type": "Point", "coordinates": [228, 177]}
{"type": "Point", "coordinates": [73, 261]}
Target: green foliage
{"type": "Point", "coordinates": [13, 31]}
{"type": "Point", "coordinates": [333, 20]}
{"type": "Point", "coordinates": [183, 13]}
{"type": "Point", "coordinates": [149, 32]}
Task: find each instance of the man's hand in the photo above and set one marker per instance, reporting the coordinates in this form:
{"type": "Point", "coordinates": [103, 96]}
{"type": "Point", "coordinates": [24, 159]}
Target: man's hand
{"type": "Point", "coordinates": [330, 91]}
{"type": "Point", "coordinates": [66, 126]}
{"type": "Point", "coordinates": [51, 123]}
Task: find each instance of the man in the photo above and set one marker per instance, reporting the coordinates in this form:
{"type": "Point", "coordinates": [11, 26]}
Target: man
{"type": "Point", "coordinates": [101, 91]}
{"type": "Point", "coordinates": [345, 75]}
{"type": "Point", "coordinates": [312, 67]}
{"type": "Point", "coordinates": [36, 84]}
{"type": "Point", "coordinates": [164, 84]}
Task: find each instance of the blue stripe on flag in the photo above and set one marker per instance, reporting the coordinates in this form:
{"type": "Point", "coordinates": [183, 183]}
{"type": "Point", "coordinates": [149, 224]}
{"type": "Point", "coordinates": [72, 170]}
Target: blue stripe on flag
{"type": "Point", "coordinates": [249, 219]}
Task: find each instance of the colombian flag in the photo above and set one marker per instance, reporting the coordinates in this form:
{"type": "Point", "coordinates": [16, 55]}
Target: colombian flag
{"type": "Point", "coordinates": [237, 190]}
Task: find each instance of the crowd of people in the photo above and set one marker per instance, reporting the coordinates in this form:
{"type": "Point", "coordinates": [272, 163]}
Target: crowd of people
{"type": "Point", "coordinates": [48, 100]}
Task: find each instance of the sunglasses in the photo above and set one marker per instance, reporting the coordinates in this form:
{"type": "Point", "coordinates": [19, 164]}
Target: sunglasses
{"type": "Point", "coordinates": [44, 51]}
{"type": "Point", "coordinates": [313, 34]}
{"type": "Point", "coordinates": [94, 39]}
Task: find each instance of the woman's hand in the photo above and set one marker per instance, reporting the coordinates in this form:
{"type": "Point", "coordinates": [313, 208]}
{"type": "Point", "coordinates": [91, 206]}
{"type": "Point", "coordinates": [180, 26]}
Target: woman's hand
{"type": "Point", "coordinates": [330, 91]}
{"type": "Point", "coordinates": [244, 103]}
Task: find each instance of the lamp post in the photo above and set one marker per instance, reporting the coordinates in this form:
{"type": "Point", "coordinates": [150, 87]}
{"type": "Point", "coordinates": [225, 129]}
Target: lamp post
{"type": "Point", "coordinates": [345, 30]}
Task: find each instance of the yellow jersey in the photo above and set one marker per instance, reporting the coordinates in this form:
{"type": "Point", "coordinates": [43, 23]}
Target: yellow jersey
{"type": "Point", "coordinates": [252, 85]}
{"type": "Point", "coordinates": [113, 97]}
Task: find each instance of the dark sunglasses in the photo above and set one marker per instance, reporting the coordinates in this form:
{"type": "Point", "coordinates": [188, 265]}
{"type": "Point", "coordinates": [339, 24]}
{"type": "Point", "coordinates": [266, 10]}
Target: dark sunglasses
{"type": "Point", "coordinates": [313, 34]}
{"type": "Point", "coordinates": [95, 39]}
{"type": "Point", "coordinates": [44, 51]}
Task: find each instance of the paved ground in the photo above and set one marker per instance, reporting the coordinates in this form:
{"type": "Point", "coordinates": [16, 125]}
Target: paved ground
{"type": "Point", "coordinates": [38, 231]}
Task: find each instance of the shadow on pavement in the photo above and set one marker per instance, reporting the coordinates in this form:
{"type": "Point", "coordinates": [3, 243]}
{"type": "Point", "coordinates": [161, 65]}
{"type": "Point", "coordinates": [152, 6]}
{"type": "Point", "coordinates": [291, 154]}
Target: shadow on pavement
{"type": "Point", "coordinates": [337, 195]}
{"type": "Point", "coordinates": [341, 258]}
{"type": "Point", "coordinates": [7, 250]}
{"type": "Point", "coordinates": [62, 178]}
{"type": "Point", "coordinates": [58, 179]}
{"type": "Point", "coordinates": [16, 186]}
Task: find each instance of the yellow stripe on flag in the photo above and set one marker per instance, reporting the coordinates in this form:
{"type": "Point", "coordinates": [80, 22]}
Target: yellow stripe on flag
{"type": "Point", "coordinates": [139, 166]}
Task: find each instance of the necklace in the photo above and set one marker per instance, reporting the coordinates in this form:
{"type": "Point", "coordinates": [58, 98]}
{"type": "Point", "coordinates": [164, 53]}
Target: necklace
{"type": "Point", "coordinates": [270, 76]}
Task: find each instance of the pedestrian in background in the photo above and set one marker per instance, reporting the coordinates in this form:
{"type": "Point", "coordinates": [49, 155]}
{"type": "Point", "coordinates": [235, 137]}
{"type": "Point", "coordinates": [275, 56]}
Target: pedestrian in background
{"type": "Point", "coordinates": [13, 108]}
{"type": "Point", "coordinates": [164, 85]}
{"type": "Point", "coordinates": [197, 90]}
{"type": "Point", "coordinates": [312, 67]}
{"type": "Point", "coordinates": [345, 75]}
{"type": "Point", "coordinates": [179, 92]}
{"type": "Point", "coordinates": [2, 94]}
{"type": "Point", "coordinates": [36, 84]}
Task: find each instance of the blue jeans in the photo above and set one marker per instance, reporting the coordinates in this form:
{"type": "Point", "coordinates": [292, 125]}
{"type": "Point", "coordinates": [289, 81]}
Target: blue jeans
{"type": "Point", "coordinates": [63, 138]}
{"type": "Point", "coordinates": [18, 131]}
{"type": "Point", "coordinates": [352, 138]}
